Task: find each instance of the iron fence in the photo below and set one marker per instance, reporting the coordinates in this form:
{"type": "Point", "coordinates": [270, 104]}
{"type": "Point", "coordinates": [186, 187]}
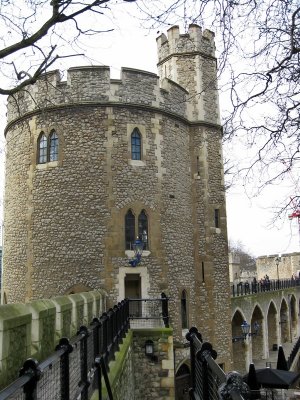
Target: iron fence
{"type": "Point", "coordinates": [149, 313]}
{"type": "Point", "coordinates": [75, 369]}
{"type": "Point", "coordinates": [208, 380]}
{"type": "Point", "coordinates": [294, 353]}
{"type": "Point", "coordinates": [245, 288]}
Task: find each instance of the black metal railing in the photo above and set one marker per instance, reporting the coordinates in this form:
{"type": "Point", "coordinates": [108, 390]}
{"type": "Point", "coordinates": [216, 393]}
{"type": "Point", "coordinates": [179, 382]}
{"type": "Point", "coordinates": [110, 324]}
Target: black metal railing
{"type": "Point", "coordinates": [76, 368]}
{"type": "Point", "coordinates": [208, 380]}
{"type": "Point", "coordinates": [294, 353]}
{"type": "Point", "coordinates": [246, 288]}
{"type": "Point", "coordinates": [149, 313]}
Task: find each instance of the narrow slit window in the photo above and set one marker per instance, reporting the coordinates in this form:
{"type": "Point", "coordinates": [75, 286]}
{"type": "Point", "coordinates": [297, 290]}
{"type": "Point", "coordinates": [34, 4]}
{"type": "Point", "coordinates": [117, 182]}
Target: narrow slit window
{"type": "Point", "coordinates": [184, 315]}
{"type": "Point", "coordinates": [136, 146]}
{"type": "Point", "coordinates": [143, 228]}
{"type": "Point", "coordinates": [217, 218]}
{"type": "Point", "coordinates": [129, 230]}
{"type": "Point", "coordinates": [53, 146]}
{"type": "Point", "coordinates": [42, 149]}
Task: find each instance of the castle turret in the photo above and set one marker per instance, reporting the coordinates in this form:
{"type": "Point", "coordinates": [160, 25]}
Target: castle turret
{"type": "Point", "coordinates": [189, 59]}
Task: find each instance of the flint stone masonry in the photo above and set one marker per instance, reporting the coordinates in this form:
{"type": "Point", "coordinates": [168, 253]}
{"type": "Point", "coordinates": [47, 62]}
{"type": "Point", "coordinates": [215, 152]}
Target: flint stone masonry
{"type": "Point", "coordinates": [34, 329]}
{"type": "Point", "coordinates": [64, 220]}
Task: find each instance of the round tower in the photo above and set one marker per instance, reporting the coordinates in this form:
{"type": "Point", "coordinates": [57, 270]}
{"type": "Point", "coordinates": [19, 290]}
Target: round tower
{"type": "Point", "coordinates": [93, 162]}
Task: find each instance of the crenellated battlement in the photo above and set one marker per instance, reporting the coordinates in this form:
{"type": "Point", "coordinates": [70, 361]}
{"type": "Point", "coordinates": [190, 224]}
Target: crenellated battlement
{"type": "Point", "coordinates": [93, 85]}
{"type": "Point", "coordinates": [193, 41]}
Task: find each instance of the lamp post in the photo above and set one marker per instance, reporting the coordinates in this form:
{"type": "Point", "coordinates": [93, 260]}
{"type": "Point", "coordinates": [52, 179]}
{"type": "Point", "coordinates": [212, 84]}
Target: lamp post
{"type": "Point", "coordinates": [277, 261]}
{"type": "Point", "coordinates": [245, 328]}
{"type": "Point", "coordinates": [246, 331]}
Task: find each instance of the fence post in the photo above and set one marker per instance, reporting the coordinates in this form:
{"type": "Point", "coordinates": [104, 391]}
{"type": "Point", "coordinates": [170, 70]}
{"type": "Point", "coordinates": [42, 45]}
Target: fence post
{"type": "Point", "coordinates": [83, 331]}
{"type": "Point", "coordinates": [190, 336]}
{"type": "Point", "coordinates": [165, 312]}
{"type": "Point", "coordinates": [31, 368]}
{"type": "Point", "coordinates": [64, 368]}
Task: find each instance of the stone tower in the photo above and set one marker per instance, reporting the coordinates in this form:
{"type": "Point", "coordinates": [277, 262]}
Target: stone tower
{"type": "Point", "coordinates": [91, 161]}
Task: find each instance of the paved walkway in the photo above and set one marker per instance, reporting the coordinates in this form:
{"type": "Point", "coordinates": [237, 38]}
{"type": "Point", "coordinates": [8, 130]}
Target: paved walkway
{"type": "Point", "coordinates": [272, 362]}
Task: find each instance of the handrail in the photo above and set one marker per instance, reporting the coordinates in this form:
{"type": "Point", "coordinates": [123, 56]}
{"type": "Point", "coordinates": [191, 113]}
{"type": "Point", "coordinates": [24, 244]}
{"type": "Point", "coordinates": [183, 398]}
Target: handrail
{"type": "Point", "coordinates": [246, 288]}
{"type": "Point", "coordinates": [103, 336]}
{"type": "Point", "coordinates": [93, 348]}
{"type": "Point", "coordinates": [293, 353]}
{"type": "Point", "coordinates": [209, 381]}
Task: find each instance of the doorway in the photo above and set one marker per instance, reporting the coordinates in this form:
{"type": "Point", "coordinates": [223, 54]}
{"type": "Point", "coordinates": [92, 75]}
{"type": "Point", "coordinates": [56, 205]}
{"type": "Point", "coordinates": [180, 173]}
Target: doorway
{"type": "Point", "coordinates": [132, 283]}
{"type": "Point", "coordinates": [132, 286]}
{"type": "Point", "coordinates": [183, 383]}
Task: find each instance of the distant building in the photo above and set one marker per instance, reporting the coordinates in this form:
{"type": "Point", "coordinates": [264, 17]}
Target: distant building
{"type": "Point", "coordinates": [238, 272]}
{"type": "Point", "coordinates": [288, 266]}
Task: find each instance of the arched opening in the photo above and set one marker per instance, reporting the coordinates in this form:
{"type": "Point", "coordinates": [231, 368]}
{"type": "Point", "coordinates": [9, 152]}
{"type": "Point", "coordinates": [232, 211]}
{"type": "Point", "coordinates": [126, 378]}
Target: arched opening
{"type": "Point", "coordinates": [78, 288]}
{"type": "Point", "coordinates": [238, 346]}
{"type": "Point", "coordinates": [293, 314]}
{"type": "Point", "coordinates": [272, 328]}
{"type": "Point", "coordinates": [129, 230]}
{"type": "Point", "coordinates": [42, 145]}
{"type": "Point", "coordinates": [183, 382]}
{"type": "Point", "coordinates": [53, 142]}
{"type": "Point", "coordinates": [258, 339]}
{"type": "Point", "coordinates": [136, 145]}
{"type": "Point", "coordinates": [284, 322]}
{"type": "Point", "coordinates": [143, 228]}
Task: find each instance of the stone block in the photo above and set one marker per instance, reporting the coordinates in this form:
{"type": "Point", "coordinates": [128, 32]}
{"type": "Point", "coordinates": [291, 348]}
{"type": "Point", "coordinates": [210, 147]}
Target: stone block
{"type": "Point", "coordinates": [63, 307]}
{"type": "Point", "coordinates": [43, 328]}
{"type": "Point", "coordinates": [88, 307]}
{"type": "Point", "coordinates": [15, 340]}
{"type": "Point", "coordinates": [77, 312]}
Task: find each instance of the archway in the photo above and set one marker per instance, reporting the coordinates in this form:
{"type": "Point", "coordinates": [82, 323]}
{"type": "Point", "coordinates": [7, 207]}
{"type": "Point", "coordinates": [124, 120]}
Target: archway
{"type": "Point", "coordinates": [238, 345]}
{"type": "Point", "coordinates": [272, 328]}
{"type": "Point", "coordinates": [293, 316]}
{"type": "Point", "coordinates": [183, 382]}
{"type": "Point", "coordinates": [258, 339]}
{"type": "Point", "coordinates": [78, 288]}
{"type": "Point", "coordinates": [284, 322]}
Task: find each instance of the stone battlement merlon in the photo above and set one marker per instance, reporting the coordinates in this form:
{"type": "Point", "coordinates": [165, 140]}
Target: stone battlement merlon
{"type": "Point", "coordinates": [193, 41]}
{"type": "Point", "coordinates": [93, 84]}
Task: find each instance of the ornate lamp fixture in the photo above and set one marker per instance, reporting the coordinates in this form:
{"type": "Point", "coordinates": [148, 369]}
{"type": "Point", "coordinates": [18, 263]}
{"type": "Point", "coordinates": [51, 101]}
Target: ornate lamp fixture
{"type": "Point", "coordinates": [138, 247]}
{"type": "Point", "coordinates": [246, 331]}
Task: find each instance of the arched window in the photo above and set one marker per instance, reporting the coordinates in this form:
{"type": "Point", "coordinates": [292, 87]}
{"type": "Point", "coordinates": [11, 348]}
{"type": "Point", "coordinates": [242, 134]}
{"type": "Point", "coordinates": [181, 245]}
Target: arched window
{"type": "Point", "coordinates": [129, 229]}
{"type": "Point", "coordinates": [53, 140]}
{"type": "Point", "coordinates": [143, 228]}
{"type": "Point", "coordinates": [136, 145]}
{"type": "Point", "coordinates": [42, 148]}
{"type": "Point", "coordinates": [184, 314]}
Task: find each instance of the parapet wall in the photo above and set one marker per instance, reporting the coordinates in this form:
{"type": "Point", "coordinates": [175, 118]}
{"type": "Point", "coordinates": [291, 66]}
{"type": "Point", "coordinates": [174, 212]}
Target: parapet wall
{"type": "Point", "coordinates": [90, 85]}
{"type": "Point", "coordinates": [33, 329]}
{"type": "Point", "coordinates": [193, 41]}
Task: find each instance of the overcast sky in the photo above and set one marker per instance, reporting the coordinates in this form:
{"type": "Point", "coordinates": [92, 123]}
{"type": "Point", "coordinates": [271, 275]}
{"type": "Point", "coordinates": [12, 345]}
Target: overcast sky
{"type": "Point", "coordinates": [249, 218]}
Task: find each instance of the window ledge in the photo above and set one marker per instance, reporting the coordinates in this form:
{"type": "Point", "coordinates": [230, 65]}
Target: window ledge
{"type": "Point", "coordinates": [137, 163]}
{"type": "Point", "coordinates": [130, 253]}
{"type": "Point", "coordinates": [50, 164]}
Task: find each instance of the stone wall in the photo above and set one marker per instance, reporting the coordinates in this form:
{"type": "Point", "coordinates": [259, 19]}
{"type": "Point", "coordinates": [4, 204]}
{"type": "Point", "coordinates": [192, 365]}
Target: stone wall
{"type": "Point", "coordinates": [34, 329]}
{"type": "Point", "coordinates": [288, 266]}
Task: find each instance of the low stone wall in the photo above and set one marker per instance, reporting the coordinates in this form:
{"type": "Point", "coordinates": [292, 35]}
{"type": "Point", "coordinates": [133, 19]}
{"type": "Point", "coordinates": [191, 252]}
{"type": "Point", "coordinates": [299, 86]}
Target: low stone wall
{"type": "Point", "coordinates": [154, 378]}
{"type": "Point", "coordinates": [34, 329]}
{"type": "Point", "coordinates": [135, 376]}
